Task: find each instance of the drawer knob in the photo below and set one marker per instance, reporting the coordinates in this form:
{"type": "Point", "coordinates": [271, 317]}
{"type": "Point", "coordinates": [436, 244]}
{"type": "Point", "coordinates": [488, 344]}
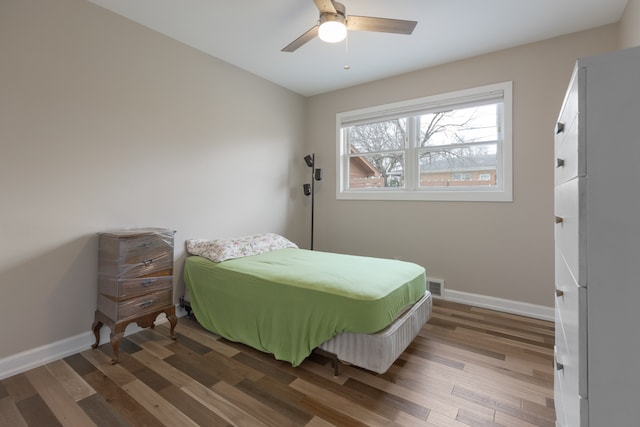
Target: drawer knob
{"type": "Point", "coordinates": [559, 220]}
{"type": "Point", "coordinates": [559, 163]}
{"type": "Point", "coordinates": [147, 283]}
{"type": "Point", "coordinates": [559, 293]}
{"type": "Point", "coordinates": [147, 262]}
{"type": "Point", "coordinates": [559, 127]}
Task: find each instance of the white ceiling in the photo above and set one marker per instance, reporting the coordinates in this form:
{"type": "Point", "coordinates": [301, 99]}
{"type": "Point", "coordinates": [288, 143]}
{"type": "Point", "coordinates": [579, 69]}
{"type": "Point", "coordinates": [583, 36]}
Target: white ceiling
{"type": "Point", "coordinates": [251, 33]}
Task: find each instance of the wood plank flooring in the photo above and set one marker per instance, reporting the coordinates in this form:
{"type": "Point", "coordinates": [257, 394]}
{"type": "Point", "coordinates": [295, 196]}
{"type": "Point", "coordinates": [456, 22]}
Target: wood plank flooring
{"type": "Point", "coordinates": [468, 367]}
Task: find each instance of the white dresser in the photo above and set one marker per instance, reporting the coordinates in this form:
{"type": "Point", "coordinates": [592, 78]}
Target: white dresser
{"type": "Point", "coordinates": [597, 240]}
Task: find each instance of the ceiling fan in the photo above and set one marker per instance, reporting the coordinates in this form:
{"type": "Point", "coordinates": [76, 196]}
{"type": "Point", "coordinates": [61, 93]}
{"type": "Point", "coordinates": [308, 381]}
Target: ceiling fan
{"type": "Point", "coordinates": [333, 25]}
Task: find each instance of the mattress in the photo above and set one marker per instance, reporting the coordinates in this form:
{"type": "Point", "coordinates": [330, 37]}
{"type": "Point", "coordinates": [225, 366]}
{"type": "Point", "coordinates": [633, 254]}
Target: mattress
{"type": "Point", "coordinates": [377, 352]}
{"type": "Point", "coordinates": [289, 301]}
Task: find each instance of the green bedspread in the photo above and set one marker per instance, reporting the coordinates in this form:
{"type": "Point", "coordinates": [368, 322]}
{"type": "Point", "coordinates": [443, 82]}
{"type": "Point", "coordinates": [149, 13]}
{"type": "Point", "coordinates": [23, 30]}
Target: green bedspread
{"type": "Point", "coordinates": [289, 301]}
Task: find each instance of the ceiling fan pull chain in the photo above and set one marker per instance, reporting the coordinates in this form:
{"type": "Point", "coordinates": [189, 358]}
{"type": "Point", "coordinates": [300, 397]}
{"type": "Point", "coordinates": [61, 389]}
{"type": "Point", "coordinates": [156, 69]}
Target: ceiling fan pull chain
{"type": "Point", "coordinates": [346, 53]}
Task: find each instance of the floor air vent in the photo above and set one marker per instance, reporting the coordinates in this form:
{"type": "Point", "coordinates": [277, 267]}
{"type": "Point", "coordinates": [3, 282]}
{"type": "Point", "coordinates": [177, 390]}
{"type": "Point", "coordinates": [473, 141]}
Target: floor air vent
{"type": "Point", "coordinates": [435, 286]}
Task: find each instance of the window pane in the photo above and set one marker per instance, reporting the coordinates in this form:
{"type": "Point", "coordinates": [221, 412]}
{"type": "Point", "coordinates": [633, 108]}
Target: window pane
{"type": "Point", "coordinates": [459, 167]}
{"type": "Point", "coordinates": [380, 136]}
{"type": "Point", "coordinates": [377, 171]}
{"type": "Point", "coordinates": [465, 125]}
{"type": "Point", "coordinates": [454, 146]}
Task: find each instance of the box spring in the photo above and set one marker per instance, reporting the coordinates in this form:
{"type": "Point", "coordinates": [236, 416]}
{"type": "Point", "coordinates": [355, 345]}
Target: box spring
{"type": "Point", "coordinates": [377, 352]}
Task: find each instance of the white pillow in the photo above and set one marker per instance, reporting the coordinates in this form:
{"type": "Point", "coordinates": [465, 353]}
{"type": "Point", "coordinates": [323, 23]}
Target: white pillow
{"type": "Point", "coordinates": [223, 249]}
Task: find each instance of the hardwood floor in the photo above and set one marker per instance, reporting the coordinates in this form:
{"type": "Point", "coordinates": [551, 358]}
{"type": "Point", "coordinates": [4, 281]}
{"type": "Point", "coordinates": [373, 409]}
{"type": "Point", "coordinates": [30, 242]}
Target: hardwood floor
{"type": "Point", "coordinates": [468, 367]}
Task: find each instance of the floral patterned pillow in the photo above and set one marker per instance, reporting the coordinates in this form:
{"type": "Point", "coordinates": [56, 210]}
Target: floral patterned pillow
{"type": "Point", "coordinates": [223, 249]}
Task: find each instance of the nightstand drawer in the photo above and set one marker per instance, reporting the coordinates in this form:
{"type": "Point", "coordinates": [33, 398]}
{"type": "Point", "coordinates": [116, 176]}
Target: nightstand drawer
{"type": "Point", "coordinates": [152, 265]}
{"type": "Point", "coordinates": [136, 255]}
{"type": "Point", "coordinates": [135, 306]}
{"type": "Point", "coordinates": [122, 289]}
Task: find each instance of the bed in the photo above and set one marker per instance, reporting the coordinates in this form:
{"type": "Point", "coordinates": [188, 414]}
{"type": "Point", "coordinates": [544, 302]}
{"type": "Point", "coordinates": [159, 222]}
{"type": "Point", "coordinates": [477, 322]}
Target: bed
{"type": "Point", "coordinates": [265, 292]}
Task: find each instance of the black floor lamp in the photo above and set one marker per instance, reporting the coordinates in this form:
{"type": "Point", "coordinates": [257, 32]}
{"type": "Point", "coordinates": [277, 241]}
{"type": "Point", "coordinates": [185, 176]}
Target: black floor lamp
{"type": "Point", "coordinates": [309, 189]}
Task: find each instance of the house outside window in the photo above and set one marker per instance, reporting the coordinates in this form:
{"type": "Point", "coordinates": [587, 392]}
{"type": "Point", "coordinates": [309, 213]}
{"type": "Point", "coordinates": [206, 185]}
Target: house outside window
{"type": "Point", "coordinates": [455, 146]}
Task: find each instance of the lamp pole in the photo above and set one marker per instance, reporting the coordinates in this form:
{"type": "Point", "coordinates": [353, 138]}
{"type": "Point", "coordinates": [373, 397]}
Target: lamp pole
{"type": "Point", "coordinates": [309, 189]}
{"type": "Point", "coordinates": [313, 193]}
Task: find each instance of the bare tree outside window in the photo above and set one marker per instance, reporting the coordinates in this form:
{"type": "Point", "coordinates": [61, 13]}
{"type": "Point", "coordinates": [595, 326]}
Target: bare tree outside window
{"type": "Point", "coordinates": [377, 153]}
{"type": "Point", "coordinates": [461, 142]}
{"type": "Point", "coordinates": [449, 144]}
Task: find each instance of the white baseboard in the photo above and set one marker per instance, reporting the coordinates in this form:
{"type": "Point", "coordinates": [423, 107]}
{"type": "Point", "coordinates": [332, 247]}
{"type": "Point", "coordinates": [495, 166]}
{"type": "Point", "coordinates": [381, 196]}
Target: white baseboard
{"type": "Point", "coordinates": [21, 362]}
{"type": "Point", "coordinates": [39, 356]}
{"type": "Point", "coordinates": [501, 304]}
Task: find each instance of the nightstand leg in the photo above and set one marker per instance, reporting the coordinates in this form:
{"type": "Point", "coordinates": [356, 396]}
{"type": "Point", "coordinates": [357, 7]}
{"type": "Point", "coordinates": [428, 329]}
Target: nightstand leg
{"type": "Point", "coordinates": [174, 321]}
{"type": "Point", "coordinates": [96, 331]}
{"type": "Point", "coordinates": [115, 343]}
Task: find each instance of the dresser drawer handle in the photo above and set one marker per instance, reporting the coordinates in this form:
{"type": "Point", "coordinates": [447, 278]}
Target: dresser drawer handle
{"type": "Point", "coordinates": [559, 127]}
{"type": "Point", "coordinates": [559, 293]}
{"type": "Point", "coordinates": [147, 283]}
{"type": "Point", "coordinates": [146, 304]}
{"type": "Point", "coordinates": [559, 163]}
{"type": "Point", "coordinates": [147, 262]}
{"type": "Point", "coordinates": [559, 220]}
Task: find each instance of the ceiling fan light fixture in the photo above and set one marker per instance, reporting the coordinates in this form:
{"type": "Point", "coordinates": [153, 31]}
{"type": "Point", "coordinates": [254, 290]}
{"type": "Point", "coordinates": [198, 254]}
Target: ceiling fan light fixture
{"type": "Point", "coordinates": [332, 28]}
{"type": "Point", "coordinates": [333, 22]}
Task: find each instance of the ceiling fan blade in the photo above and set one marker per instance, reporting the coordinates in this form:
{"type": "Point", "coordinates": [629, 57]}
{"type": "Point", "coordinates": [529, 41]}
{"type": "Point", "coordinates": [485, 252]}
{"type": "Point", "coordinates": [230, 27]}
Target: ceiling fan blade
{"type": "Point", "coordinates": [325, 6]}
{"type": "Point", "coordinates": [311, 33]}
{"type": "Point", "coordinates": [382, 25]}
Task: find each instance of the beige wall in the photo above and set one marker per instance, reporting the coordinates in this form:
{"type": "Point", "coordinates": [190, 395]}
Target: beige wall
{"type": "Point", "coordinates": [630, 25]}
{"type": "Point", "coordinates": [103, 124]}
{"type": "Point", "coordinates": [501, 250]}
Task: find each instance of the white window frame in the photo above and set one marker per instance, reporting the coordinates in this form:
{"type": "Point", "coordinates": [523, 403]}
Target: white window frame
{"type": "Point", "coordinates": [502, 192]}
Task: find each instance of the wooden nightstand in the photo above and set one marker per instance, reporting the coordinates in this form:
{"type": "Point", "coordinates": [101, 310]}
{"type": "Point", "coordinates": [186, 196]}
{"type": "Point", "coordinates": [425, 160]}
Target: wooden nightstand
{"type": "Point", "coordinates": [135, 281]}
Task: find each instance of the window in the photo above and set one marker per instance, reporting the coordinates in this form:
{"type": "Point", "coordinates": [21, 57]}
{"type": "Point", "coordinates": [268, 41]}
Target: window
{"type": "Point", "coordinates": [455, 146]}
{"type": "Point", "coordinates": [461, 176]}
